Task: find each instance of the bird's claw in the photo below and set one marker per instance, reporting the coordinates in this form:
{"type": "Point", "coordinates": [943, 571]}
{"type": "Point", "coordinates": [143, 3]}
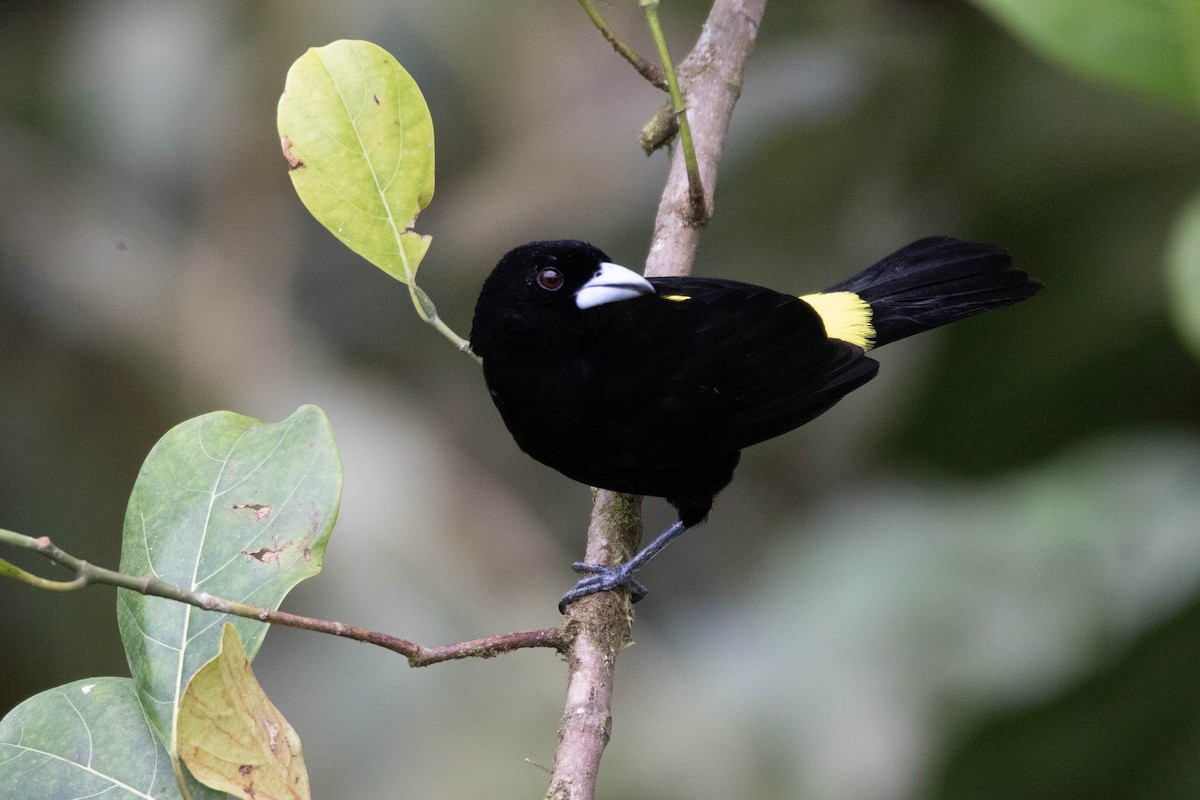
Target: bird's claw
{"type": "Point", "coordinates": [602, 579]}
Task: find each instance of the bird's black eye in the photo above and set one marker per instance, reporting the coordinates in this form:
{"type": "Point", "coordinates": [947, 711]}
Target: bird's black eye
{"type": "Point", "coordinates": [550, 279]}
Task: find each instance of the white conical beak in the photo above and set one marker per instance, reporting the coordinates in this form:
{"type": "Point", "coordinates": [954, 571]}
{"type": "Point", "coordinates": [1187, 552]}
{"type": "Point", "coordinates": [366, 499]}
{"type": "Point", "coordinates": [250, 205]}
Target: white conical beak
{"type": "Point", "coordinates": [610, 284]}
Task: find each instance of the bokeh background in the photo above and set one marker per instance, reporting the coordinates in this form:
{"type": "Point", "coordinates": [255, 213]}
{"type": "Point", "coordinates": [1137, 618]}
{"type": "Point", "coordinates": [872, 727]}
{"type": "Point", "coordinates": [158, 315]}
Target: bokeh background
{"type": "Point", "coordinates": [979, 577]}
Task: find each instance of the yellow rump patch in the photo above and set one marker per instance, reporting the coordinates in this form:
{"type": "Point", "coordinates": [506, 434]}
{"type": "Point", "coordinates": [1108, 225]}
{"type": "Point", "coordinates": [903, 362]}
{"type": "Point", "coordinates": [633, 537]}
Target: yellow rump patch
{"type": "Point", "coordinates": [676, 297]}
{"type": "Point", "coordinates": [846, 316]}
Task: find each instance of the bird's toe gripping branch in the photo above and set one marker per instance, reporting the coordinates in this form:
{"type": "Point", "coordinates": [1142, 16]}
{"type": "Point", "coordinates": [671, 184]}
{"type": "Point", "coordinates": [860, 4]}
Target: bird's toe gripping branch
{"type": "Point", "coordinates": [603, 579]}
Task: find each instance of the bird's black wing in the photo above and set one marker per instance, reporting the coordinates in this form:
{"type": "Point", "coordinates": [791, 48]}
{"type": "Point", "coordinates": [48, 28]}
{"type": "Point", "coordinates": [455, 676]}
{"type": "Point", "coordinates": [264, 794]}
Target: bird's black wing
{"type": "Point", "coordinates": [736, 364]}
{"type": "Point", "coordinates": [770, 355]}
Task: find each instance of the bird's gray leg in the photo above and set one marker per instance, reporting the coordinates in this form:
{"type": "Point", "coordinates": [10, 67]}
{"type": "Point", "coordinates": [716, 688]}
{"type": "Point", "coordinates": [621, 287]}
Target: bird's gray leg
{"type": "Point", "coordinates": [603, 579]}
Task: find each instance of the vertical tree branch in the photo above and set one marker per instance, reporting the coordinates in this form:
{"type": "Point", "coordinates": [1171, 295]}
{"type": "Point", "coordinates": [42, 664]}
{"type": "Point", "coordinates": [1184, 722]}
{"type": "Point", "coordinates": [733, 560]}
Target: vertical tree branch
{"type": "Point", "coordinates": [600, 624]}
{"type": "Point", "coordinates": [712, 78]}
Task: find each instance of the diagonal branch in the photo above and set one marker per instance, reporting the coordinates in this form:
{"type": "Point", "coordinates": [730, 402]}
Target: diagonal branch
{"type": "Point", "coordinates": [712, 79]}
{"type": "Point", "coordinates": [418, 656]}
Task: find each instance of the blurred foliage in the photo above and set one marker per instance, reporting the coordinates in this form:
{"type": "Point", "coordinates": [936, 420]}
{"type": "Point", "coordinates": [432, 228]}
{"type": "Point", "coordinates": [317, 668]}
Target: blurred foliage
{"type": "Point", "coordinates": [1150, 45]}
{"type": "Point", "coordinates": [1128, 730]}
{"type": "Point", "coordinates": [1184, 274]}
{"type": "Point", "coordinates": [892, 620]}
{"type": "Point", "coordinates": [155, 264]}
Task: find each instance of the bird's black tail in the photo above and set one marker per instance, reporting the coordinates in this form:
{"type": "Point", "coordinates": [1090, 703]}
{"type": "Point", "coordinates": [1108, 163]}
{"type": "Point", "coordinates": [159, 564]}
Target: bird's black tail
{"type": "Point", "coordinates": [935, 281]}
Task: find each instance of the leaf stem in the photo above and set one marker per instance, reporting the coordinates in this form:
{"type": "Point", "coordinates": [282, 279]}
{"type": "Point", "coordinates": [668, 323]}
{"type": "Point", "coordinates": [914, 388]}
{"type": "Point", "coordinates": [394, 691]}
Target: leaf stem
{"type": "Point", "coordinates": [426, 310]}
{"type": "Point", "coordinates": [428, 313]}
{"type": "Point", "coordinates": [647, 70]}
{"type": "Point", "coordinates": [418, 656]}
{"type": "Point", "coordinates": [695, 184]}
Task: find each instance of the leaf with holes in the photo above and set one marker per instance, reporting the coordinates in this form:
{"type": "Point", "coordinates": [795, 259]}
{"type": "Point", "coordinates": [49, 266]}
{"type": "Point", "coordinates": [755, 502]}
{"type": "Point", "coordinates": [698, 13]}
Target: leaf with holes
{"type": "Point", "coordinates": [231, 506]}
{"type": "Point", "coordinates": [358, 140]}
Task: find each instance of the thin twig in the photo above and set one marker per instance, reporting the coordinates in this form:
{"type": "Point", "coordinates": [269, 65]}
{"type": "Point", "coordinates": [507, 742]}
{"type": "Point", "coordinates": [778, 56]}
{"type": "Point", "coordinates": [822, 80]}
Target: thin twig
{"type": "Point", "coordinates": [647, 70]}
{"type": "Point", "coordinates": [711, 77]}
{"type": "Point", "coordinates": [87, 574]}
{"type": "Point", "coordinates": [428, 313]}
{"type": "Point", "coordinates": [695, 184]}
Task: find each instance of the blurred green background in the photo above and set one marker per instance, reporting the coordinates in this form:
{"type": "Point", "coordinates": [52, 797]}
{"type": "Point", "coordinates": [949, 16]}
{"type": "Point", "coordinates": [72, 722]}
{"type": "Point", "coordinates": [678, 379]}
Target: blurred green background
{"type": "Point", "coordinates": [978, 577]}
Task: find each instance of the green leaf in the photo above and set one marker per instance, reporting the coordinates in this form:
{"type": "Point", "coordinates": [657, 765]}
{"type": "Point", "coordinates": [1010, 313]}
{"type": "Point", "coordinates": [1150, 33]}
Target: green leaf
{"type": "Point", "coordinates": [1149, 45]}
{"type": "Point", "coordinates": [232, 736]}
{"type": "Point", "coordinates": [230, 506]}
{"type": "Point", "coordinates": [1183, 273]}
{"type": "Point", "coordinates": [358, 140]}
{"type": "Point", "coordinates": [85, 739]}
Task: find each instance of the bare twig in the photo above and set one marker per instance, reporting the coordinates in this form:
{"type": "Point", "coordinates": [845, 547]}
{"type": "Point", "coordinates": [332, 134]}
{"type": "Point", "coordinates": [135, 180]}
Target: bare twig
{"type": "Point", "coordinates": [647, 70]}
{"type": "Point", "coordinates": [712, 78]}
{"type": "Point", "coordinates": [418, 656]}
{"type": "Point", "coordinates": [695, 184]}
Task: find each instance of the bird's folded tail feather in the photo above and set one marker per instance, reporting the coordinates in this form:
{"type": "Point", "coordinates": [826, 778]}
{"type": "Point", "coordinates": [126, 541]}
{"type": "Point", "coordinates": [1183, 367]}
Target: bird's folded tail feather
{"type": "Point", "coordinates": [929, 283]}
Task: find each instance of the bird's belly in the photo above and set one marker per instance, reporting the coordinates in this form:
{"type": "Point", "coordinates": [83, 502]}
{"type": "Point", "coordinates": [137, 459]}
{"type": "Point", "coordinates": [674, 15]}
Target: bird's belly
{"type": "Point", "coordinates": [618, 450]}
{"type": "Point", "coordinates": [570, 422]}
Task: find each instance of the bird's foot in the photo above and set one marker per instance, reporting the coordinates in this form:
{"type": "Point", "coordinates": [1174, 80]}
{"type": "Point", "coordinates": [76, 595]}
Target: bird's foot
{"type": "Point", "coordinates": [602, 579]}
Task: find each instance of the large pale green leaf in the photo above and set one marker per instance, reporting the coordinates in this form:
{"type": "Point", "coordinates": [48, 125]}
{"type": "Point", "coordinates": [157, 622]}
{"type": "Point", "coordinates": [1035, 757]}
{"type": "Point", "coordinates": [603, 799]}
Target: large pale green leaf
{"type": "Point", "coordinates": [358, 140]}
{"type": "Point", "coordinates": [229, 506]}
{"type": "Point", "coordinates": [1149, 45]}
{"type": "Point", "coordinates": [1183, 273]}
{"type": "Point", "coordinates": [86, 739]}
{"type": "Point", "coordinates": [232, 735]}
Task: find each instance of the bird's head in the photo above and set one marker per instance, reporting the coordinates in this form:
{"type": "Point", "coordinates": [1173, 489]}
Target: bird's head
{"type": "Point", "coordinates": [537, 283]}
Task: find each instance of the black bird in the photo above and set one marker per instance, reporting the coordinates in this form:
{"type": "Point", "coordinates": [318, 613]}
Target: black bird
{"type": "Point", "coordinates": [654, 386]}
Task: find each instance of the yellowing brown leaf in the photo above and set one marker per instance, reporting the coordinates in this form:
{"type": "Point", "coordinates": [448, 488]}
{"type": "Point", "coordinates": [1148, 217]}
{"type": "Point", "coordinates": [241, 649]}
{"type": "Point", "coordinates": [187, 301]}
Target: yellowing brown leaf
{"type": "Point", "coordinates": [232, 737]}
